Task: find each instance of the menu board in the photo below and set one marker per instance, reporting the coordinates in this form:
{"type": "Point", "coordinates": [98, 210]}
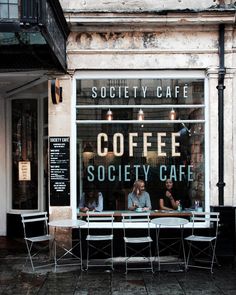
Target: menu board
{"type": "Point", "coordinates": [59, 161]}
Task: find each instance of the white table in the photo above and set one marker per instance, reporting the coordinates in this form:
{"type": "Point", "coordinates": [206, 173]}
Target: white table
{"type": "Point", "coordinates": [68, 223]}
{"type": "Point", "coordinates": [167, 222]}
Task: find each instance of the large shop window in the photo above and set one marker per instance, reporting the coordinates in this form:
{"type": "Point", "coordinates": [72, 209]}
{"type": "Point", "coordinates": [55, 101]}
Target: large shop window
{"type": "Point", "coordinates": [24, 154]}
{"type": "Point", "coordinates": [150, 129]}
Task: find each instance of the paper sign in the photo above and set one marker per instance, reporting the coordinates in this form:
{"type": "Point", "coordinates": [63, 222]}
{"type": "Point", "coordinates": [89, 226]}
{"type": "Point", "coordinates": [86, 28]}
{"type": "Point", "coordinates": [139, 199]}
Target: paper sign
{"type": "Point", "coordinates": [24, 171]}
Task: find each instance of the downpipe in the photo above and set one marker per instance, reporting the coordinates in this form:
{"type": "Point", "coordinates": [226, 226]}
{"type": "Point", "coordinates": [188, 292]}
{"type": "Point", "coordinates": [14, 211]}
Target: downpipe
{"type": "Point", "coordinates": [221, 87]}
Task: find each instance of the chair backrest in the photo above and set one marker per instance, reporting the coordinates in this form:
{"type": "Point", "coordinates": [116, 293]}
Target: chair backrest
{"type": "Point", "coordinates": [98, 217]}
{"type": "Point", "coordinates": [34, 224]}
{"type": "Point", "coordinates": [212, 219]}
{"type": "Point", "coordinates": [131, 218]}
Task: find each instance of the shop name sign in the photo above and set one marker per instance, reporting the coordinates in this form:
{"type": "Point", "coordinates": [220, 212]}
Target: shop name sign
{"type": "Point", "coordinates": [143, 91]}
{"type": "Point", "coordinates": [124, 172]}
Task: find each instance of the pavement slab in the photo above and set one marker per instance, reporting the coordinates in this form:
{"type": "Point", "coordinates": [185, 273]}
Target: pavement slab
{"type": "Point", "coordinates": [17, 279]}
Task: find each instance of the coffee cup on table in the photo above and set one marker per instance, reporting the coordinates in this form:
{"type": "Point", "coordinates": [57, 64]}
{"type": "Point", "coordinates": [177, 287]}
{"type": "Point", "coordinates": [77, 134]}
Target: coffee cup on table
{"type": "Point", "coordinates": [139, 209]}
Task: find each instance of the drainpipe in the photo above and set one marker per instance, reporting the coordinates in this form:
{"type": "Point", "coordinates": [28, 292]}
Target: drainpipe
{"type": "Point", "coordinates": [221, 87]}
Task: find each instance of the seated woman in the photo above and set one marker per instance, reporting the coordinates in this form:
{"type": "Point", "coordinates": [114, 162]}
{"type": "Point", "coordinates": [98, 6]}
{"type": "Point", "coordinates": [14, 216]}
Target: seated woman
{"type": "Point", "coordinates": [139, 198]}
{"type": "Point", "coordinates": [91, 200]}
{"type": "Point", "coordinates": [167, 200]}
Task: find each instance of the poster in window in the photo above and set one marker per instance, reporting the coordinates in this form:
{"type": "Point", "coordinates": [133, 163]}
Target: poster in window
{"type": "Point", "coordinates": [24, 171]}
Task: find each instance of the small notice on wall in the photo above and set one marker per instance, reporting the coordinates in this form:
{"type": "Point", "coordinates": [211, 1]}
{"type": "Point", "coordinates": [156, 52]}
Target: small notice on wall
{"type": "Point", "coordinates": [59, 161]}
{"type": "Point", "coordinates": [24, 171]}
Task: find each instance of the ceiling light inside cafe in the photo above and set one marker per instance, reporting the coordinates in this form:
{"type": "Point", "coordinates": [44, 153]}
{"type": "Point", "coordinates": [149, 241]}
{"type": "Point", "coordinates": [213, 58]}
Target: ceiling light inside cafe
{"type": "Point", "coordinates": [109, 115]}
{"type": "Point", "coordinates": [140, 116]}
{"type": "Point", "coordinates": [172, 115]}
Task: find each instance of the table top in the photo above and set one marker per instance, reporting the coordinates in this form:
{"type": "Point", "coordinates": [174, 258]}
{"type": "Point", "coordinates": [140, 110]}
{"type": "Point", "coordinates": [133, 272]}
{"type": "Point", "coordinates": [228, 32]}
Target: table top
{"type": "Point", "coordinates": [153, 213]}
{"type": "Point", "coordinates": [169, 221]}
{"type": "Point", "coordinates": [67, 223]}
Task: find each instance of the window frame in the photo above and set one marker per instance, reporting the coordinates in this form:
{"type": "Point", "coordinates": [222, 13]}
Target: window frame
{"type": "Point", "coordinates": [149, 74]}
{"type": "Point", "coordinates": [41, 201]}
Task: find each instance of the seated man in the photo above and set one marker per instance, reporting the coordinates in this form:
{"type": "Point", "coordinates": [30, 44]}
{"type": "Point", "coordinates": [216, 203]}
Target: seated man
{"type": "Point", "coordinates": [91, 200]}
{"type": "Point", "coordinates": [167, 200]}
{"type": "Point", "coordinates": [139, 198]}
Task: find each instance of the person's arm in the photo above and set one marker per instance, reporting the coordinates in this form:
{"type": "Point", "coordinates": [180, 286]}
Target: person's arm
{"type": "Point", "coordinates": [174, 203]}
{"type": "Point", "coordinates": [82, 203]}
{"type": "Point", "coordinates": [148, 205]}
{"type": "Point", "coordinates": [162, 205]}
{"type": "Point", "coordinates": [131, 205]}
{"type": "Point", "coordinates": [99, 207]}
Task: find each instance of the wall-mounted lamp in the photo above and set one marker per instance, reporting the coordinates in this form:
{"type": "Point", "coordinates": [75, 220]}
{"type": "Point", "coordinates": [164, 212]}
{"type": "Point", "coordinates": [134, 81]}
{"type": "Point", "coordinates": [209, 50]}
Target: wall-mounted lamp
{"type": "Point", "coordinates": [140, 115]}
{"type": "Point", "coordinates": [172, 114]}
{"type": "Point", "coordinates": [109, 115]}
{"type": "Point", "coordinates": [55, 91]}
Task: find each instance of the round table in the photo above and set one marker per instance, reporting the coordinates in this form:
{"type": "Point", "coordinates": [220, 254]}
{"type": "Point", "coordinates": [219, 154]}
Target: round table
{"type": "Point", "coordinates": [167, 222]}
{"type": "Point", "coordinates": [68, 223]}
{"type": "Point", "coordinates": [73, 223]}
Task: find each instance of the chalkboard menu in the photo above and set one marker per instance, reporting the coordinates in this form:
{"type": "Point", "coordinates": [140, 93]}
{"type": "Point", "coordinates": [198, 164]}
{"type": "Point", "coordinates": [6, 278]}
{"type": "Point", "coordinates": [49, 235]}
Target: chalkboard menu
{"type": "Point", "coordinates": [59, 161]}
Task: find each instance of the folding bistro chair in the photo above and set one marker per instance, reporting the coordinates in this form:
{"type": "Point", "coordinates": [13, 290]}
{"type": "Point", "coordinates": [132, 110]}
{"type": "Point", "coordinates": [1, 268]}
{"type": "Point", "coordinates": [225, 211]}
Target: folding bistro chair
{"type": "Point", "coordinates": [202, 247]}
{"type": "Point", "coordinates": [36, 223]}
{"type": "Point", "coordinates": [137, 245]}
{"type": "Point", "coordinates": [100, 244]}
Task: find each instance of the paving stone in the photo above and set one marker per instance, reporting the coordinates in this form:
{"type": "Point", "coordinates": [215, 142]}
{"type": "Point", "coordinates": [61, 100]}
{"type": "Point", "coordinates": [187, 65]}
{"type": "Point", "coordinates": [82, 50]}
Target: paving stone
{"type": "Point", "coordinates": [14, 279]}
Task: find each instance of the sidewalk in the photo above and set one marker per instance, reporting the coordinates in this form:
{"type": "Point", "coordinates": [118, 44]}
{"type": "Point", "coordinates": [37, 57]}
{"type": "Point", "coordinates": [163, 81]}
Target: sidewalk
{"type": "Point", "coordinates": [99, 281]}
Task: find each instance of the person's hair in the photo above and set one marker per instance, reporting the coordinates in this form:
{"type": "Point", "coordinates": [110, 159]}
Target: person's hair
{"type": "Point", "coordinates": [91, 194]}
{"type": "Point", "coordinates": [137, 187]}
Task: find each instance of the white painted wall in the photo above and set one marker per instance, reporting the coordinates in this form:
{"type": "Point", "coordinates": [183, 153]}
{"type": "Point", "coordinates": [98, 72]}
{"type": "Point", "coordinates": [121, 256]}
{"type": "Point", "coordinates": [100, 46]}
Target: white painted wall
{"type": "Point", "coordinates": [60, 123]}
{"type": "Point", "coordinates": [137, 5]}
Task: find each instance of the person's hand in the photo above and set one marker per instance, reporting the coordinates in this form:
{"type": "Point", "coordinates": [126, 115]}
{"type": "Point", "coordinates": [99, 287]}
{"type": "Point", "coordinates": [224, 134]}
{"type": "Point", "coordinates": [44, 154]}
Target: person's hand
{"type": "Point", "coordinates": [145, 208]}
{"type": "Point", "coordinates": [168, 194]}
{"type": "Point", "coordinates": [135, 205]}
{"type": "Point", "coordinates": [177, 203]}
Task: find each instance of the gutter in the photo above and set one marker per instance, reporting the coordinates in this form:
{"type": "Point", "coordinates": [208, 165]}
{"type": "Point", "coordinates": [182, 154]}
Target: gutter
{"type": "Point", "coordinates": [221, 87]}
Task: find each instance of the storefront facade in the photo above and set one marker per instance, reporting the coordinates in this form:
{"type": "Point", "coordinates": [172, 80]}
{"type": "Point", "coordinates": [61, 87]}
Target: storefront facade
{"type": "Point", "coordinates": [154, 69]}
{"type": "Point", "coordinates": [133, 60]}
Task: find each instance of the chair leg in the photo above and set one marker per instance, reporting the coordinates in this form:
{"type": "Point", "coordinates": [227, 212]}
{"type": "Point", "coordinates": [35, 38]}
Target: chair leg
{"type": "Point", "coordinates": [189, 252]}
{"type": "Point", "coordinates": [29, 248]}
{"type": "Point", "coordinates": [157, 247]}
{"type": "Point", "coordinates": [87, 266]}
{"type": "Point", "coordinates": [150, 259]}
{"type": "Point", "coordinates": [80, 249]}
{"type": "Point", "coordinates": [213, 255]}
{"type": "Point", "coordinates": [112, 266]}
{"type": "Point", "coordinates": [183, 249]}
{"type": "Point", "coordinates": [126, 262]}
{"type": "Point", "coordinates": [55, 256]}
{"type": "Point", "coordinates": [212, 248]}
